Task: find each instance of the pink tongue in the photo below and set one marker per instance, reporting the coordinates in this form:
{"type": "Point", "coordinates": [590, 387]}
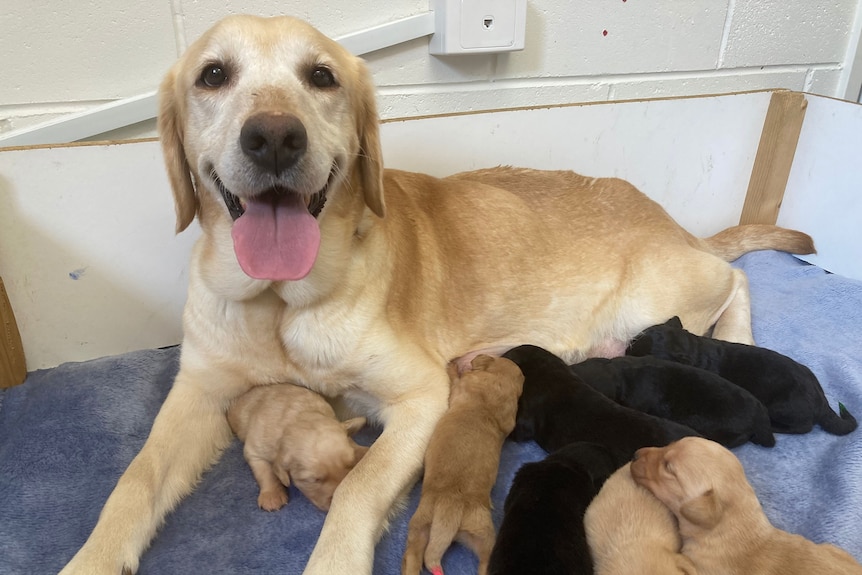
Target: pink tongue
{"type": "Point", "coordinates": [276, 238]}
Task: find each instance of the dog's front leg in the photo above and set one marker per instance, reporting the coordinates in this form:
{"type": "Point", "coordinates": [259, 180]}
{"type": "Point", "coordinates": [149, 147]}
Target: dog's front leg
{"type": "Point", "coordinates": [362, 503]}
{"type": "Point", "coordinates": [188, 435]}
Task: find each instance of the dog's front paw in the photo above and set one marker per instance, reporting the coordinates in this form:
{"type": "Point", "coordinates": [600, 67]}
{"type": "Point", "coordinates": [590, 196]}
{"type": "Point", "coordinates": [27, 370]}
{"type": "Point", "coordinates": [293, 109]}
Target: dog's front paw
{"type": "Point", "coordinates": [272, 500]}
{"type": "Point", "coordinates": [86, 564]}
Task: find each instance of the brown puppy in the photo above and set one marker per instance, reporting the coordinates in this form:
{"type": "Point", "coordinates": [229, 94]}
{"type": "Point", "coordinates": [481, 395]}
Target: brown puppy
{"type": "Point", "coordinates": [291, 433]}
{"type": "Point", "coordinates": [317, 266]}
{"type": "Point", "coordinates": [461, 465]}
{"type": "Point", "coordinates": [723, 527]}
{"type": "Point", "coordinates": [630, 532]}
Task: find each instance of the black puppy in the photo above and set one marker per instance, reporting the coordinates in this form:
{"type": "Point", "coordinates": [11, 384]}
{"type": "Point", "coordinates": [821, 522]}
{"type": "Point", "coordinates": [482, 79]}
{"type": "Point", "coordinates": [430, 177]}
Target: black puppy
{"type": "Point", "coordinates": [789, 390]}
{"type": "Point", "coordinates": [542, 532]}
{"type": "Point", "coordinates": [556, 408]}
{"type": "Point", "coordinates": [700, 399]}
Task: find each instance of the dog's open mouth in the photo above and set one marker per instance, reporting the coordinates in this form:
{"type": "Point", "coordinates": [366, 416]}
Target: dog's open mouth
{"type": "Point", "coordinates": [236, 208]}
{"type": "Point", "coordinates": [275, 233]}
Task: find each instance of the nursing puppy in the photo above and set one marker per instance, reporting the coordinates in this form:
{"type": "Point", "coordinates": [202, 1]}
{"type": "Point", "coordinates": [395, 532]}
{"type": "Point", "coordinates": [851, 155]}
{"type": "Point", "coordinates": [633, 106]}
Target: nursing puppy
{"type": "Point", "coordinates": [316, 265]}
{"type": "Point", "coordinates": [557, 408]}
{"type": "Point", "coordinates": [789, 390]}
{"type": "Point", "coordinates": [292, 434]}
{"type": "Point", "coordinates": [542, 532]}
{"type": "Point", "coordinates": [630, 532]}
{"type": "Point", "coordinates": [706, 402]}
{"type": "Point", "coordinates": [461, 465]}
{"type": "Point", "coordinates": [722, 524]}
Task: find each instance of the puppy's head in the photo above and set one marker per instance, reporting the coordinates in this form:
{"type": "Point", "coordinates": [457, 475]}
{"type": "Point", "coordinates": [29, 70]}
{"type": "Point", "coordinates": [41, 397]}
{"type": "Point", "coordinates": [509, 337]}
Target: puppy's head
{"type": "Point", "coordinates": [494, 379]}
{"type": "Point", "coordinates": [697, 479]}
{"type": "Point", "coordinates": [264, 122]}
{"type": "Point", "coordinates": [664, 336]}
{"type": "Point", "coordinates": [318, 459]}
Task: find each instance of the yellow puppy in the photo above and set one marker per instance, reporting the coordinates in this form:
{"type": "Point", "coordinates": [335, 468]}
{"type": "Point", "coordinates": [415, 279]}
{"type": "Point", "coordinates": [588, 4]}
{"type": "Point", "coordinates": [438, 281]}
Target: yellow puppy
{"type": "Point", "coordinates": [630, 532]}
{"type": "Point", "coordinates": [461, 465]}
{"type": "Point", "coordinates": [723, 527]}
{"type": "Point", "coordinates": [291, 433]}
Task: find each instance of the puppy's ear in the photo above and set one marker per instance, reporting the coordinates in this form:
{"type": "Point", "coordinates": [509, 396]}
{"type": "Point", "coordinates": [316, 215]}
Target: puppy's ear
{"type": "Point", "coordinates": [684, 565]}
{"type": "Point", "coordinates": [370, 159]}
{"type": "Point", "coordinates": [283, 466]}
{"type": "Point", "coordinates": [482, 362]}
{"type": "Point", "coordinates": [352, 425]}
{"type": "Point", "coordinates": [171, 135]}
{"type": "Point", "coordinates": [703, 511]}
{"type": "Point", "coordinates": [674, 322]}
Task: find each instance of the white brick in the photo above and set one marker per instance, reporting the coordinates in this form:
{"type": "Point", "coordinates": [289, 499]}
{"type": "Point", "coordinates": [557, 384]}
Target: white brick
{"type": "Point", "coordinates": [629, 89]}
{"type": "Point", "coordinates": [565, 38]}
{"type": "Point", "coordinates": [333, 18]}
{"type": "Point", "coordinates": [411, 64]}
{"type": "Point", "coordinates": [449, 99]}
{"type": "Point", "coordinates": [90, 50]}
{"type": "Point", "coordinates": [764, 32]}
{"type": "Point", "coordinates": [824, 81]}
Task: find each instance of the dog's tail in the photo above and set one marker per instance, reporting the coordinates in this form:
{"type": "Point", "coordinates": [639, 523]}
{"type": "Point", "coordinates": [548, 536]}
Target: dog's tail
{"type": "Point", "coordinates": [831, 422]}
{"type": "Point", "coordinates": [734, 242]}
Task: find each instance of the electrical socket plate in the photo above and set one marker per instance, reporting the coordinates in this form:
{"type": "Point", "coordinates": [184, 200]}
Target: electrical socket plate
{"type": "Point", "coordinates": [478, 26]}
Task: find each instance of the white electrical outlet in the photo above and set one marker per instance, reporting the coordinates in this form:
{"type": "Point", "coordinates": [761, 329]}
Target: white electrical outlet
{"type": "Point", "coordinates": [478, 26]}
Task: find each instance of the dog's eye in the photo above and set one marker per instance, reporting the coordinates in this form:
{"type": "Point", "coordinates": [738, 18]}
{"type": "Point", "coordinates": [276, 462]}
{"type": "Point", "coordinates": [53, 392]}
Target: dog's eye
{"type": "Point", "coordinates": [322, 77]}
{"type": "Point", "coordinates": [213, 75]}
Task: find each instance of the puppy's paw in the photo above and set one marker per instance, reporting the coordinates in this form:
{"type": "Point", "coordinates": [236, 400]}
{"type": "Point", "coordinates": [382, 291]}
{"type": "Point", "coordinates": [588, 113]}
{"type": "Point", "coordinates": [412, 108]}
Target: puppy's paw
{"type": "Point", "coordinates": [272, 500]}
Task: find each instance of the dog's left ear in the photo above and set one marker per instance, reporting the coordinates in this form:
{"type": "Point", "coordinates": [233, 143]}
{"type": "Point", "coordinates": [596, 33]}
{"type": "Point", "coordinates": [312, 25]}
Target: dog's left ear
{"type": "Point", "coordinates": [703, 511]}
{"type": "Point", "coordinates": [171, 137]}
{"type": "Point", "coordinates": [370, 160]}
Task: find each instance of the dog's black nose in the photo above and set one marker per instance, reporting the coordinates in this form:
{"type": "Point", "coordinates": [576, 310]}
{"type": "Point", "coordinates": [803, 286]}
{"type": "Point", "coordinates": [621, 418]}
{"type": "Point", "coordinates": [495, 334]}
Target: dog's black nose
{"type": "Point", "coordinates": [273, 141]}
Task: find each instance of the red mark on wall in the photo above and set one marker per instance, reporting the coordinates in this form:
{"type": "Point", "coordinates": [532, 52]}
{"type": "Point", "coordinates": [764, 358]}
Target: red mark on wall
{"type": "Point", "coordinates": [604, 32]}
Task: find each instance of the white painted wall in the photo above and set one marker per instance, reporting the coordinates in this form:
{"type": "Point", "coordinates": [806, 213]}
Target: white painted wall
{"type": "Point", "coordinates": [62, 56]}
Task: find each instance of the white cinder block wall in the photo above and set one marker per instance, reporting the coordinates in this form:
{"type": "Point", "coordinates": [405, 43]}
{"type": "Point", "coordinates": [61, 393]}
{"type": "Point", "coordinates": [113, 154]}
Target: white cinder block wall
{"type": "Point", "coordinates": [62, 56]}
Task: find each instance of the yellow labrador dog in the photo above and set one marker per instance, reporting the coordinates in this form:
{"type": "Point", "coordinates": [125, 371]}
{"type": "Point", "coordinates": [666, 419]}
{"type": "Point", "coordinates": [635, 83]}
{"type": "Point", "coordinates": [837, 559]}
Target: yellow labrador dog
{"type": "Point", "coordinates": [318, 267]}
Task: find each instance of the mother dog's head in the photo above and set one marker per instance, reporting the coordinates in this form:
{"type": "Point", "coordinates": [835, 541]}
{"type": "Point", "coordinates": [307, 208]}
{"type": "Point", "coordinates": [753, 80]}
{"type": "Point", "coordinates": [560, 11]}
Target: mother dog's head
{"type": "Point", "coordinates": [266, 122]}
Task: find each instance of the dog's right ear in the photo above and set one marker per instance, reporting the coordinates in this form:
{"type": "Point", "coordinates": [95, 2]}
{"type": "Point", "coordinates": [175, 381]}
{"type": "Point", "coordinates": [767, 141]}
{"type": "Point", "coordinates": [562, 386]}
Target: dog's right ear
{"type": "Point", "coordinates": [171, 135]}
{"type": "Point", "coordinates": [703, 511]}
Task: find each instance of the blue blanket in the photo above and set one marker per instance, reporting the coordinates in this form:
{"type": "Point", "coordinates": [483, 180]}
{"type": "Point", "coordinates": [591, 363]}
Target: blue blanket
{"type": "Point", "coordinates": [68, 433]}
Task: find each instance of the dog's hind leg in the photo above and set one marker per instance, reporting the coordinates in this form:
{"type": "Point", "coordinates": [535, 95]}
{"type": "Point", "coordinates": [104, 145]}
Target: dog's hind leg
{"type": "Point", "coordinates": [418, 532]}
{"type": "Point", "coordinates": [733, 322]}
{"type": "Point", "coordinates": [447, 520]}
{"type": "Point", "coordinates": [188, 435]}
{"type": "Point", "coordinates": [477, 533]}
